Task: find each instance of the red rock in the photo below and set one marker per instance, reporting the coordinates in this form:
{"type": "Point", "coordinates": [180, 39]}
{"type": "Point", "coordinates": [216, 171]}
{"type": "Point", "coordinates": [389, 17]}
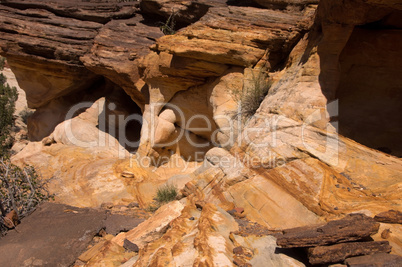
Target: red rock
{"type": "Point", "coordinates": [241, 262]}
{"type": "Point", "coordinates": [11, 219]}
{"type": "Point", "coordinates": [130, 246]}
{"type": "Point", "coordinates": [239, 210]}
{"type": "Point", "coordinates": [391, 216]}
{"type": "Point", "coordinates": [351, 228]}
{"type": "Point", "coordinates": [243, 251]}
{"type": "Point", "coordinates": [377, 260]}
{"type": "Point", "coordinates": [339, 252]}
{"type": "Point", "coordinates": [385, 234]}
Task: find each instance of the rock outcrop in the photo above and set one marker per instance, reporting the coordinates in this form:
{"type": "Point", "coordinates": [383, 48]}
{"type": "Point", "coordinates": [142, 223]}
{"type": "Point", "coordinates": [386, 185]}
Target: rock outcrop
{"type": "Point", "coordinates": [335, 241]}
{"type": "Point", "coordinates": [340, 252]}
{"type": "Point", "coordinates": [71, 230]}
{"type": "Point", "coordinates": [351, 228]}
{"type": "Point", "coordinates": [323, 142]}
{"type": "Point", "coordinates": [391, 216]}
{"type": "Point", "coordinates": [378, 259]}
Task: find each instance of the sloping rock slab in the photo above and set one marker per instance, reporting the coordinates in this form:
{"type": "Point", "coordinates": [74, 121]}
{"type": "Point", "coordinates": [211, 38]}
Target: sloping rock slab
{"type": "Point", "coordinates": [54, 235]}
{"type": "Point", "coordinates": [116, 223]}
{"type": "Point", "coordinates": [339, 252]}
{"type": "Point", "coordinates": [351, 228]}
{"type": "Point", "coordinates": [375, 260]}
{"type": "Point", "coordinates": [391, 216]}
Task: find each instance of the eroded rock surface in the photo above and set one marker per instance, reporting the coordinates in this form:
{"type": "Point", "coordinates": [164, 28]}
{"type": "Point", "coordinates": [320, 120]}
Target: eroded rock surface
{"type": "Point", "coordinates": [54, 234]}
{"type": "Point", "coordinates": [352, 227]}
{"type": "Point", "coordinates": [285, 167]}
{"type": "Point", "coordinates": [378, 259]}
{"type": "Point", "coordinates": [339, 252]}
{"type": "Point", "coordinates": [391, 216]}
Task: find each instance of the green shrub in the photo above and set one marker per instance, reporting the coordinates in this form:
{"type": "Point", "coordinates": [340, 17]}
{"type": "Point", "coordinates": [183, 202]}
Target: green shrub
{"type": "Point", "coordinates": [166, 193]}
{"type": "Point", "coordinates": [168, 28]}
{"type": "Point", "coordinates": [8, 96]}
{"type": "Point", "coordinates": [25, 114]}
{"type": "Point", "coordinates": [250, 97]}
{"type": "Point", "coordinates": [21, 189]}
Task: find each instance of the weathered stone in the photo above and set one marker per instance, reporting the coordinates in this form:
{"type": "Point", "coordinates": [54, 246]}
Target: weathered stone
{"type": "Point", "coordinates": [110, 254]}
{"type": "Point", "coordinates": [112, 51]}
{"type": "Point", "coordinates": [391, 216]}
{"type": "Point", "coordinates": [378, 260]}
{"type": "Point", "coordinates": [51, 236]}
{"type": "Point", "coordinates": [316, 175]}
{"type": "Point", "coordinates": [92, 252]}
{"type": "Point", "coordinates": [152, 228]}
{"type": "Point", "coordinates": [182, 12]}
{"type": "Point", "coordinates": [214, 38]}
{"type": "Point", "coordinates": [11, 219]}
{"type": "Point", "coordinates": [102, 11]}
{"type": "Point", "coordinates": [116, 223]}
{"type": "Point", "coordinates": [206, 239]}
{"type": "Point", "coordinates": [130, 246]}
{"type": "Point", "coordinates": [385, 233]}
{"type": "Point", "coordinates": [351, 228]}
{"type": "Point", "coordinates": [268, 204]}
{"type": "Point", "coordinates": [127, 174]}
{"type": "Point", "coordinates": [241, 262]}
{"type": "Point", "coordinates": [243, 251]}
{"type": "Point", "coordinates": [339, 252]}
{"type": "Point", "coordinates": [265, 251]}
{"type": "Point", "coordinates": [283, 4]}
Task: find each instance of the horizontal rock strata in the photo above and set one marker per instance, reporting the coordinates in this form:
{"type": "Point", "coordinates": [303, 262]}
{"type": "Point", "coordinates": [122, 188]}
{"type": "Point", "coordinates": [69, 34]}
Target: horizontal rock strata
{"type": "Point", "coordinates": [378, 260]}
{"type": "Point", "coordinates": [339, 252]}
{"type": "Point", "coordinates": [352, 227]}
{"type": "Point", "coordinates": [391, 216]}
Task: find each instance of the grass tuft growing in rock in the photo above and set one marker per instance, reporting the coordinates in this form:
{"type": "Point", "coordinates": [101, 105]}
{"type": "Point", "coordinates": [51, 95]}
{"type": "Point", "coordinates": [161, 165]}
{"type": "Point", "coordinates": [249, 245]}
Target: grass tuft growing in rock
{"type": "Point", "coordinates": [166, 193]}
{"type": "Point", "coordinates": [250, 97]}
{"type": "Point", "coordinates": [168, 28]}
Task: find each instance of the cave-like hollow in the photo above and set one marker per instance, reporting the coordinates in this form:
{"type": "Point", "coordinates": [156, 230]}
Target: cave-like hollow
{"type": "Point", "coordinates": [121, 118]}
{"type": "Point", "coordinates": [370, 88]}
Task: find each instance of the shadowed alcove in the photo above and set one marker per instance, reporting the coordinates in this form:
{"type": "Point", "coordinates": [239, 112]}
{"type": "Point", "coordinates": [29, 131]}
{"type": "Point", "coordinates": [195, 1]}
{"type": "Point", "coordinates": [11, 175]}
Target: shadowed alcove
{"type": "Point", "coordinates": [370, 88]}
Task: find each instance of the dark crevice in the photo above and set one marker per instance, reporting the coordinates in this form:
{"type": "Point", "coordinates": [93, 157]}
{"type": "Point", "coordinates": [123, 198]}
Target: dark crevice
{"type": "Point", "coordinates": [47, 119]}
{"type": "Point", "coordinates": [8, 31]}
{"type": "Point", "coordinates": [369, 90]}
{"type": "Point", "coordinates": [247, 3]}
{"type": "Point", "coordinates": [280, 64]}
{"type": "Point", "coordinates": [121, 118]}
{"type": "Point", "coordinates": [181, 19]}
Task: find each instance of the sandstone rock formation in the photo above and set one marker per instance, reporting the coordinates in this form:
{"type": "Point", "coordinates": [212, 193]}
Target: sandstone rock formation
{"type": "Point", "coordinates": [379, 259]}
{"type": "Point", "coordinates": [351, 228]}
{"type": "Point", "coordinates": [339, 252]}
{"type": "Point", "coordinates": [323, 143]}
{"type": "Point", "coordinates": [391, 216]}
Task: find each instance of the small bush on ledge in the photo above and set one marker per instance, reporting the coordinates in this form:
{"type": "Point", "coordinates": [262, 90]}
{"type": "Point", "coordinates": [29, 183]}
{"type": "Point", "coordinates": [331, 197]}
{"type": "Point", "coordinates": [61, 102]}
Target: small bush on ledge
{"type": "Point", "coordinates": [166, 193]}
{"type": "Point", "coordinates": [250, 97]}
{"type": "Point", "coordinates": [21, 190]}
{"type": "Point", "coordinates": [168, 28]}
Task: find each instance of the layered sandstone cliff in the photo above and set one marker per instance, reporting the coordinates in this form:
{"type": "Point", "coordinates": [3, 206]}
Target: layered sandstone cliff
{"type": "Point", "coordinates": [313, 151]}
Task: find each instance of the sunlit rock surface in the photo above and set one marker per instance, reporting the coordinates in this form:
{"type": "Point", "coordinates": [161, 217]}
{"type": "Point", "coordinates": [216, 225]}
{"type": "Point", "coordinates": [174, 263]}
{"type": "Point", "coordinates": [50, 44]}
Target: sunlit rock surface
{"type": "Point", "coordinates": [323, 143]}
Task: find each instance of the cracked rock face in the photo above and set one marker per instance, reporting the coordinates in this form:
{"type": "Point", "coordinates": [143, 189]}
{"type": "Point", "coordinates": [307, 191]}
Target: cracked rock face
{"type": "Point", "coordinates": [289, 165]}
